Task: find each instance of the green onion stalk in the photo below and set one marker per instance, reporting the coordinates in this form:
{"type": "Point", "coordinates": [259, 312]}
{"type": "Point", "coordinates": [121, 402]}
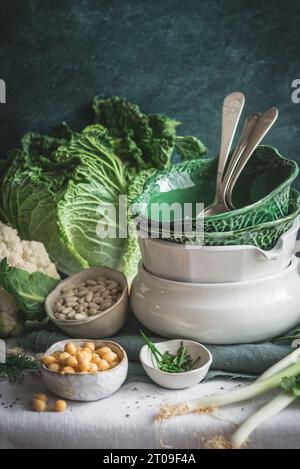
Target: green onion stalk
{"type": "Point", "coordinates": [285, 375]}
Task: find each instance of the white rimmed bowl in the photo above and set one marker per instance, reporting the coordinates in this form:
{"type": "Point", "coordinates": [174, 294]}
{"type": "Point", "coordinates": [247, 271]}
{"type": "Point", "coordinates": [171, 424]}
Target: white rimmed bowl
{"type": "Point", "coordinates": [104, 324]}
{"type": "Point", "coordinates": [86, 387]}
{"type": "Point", "coordinates": [217, 264]}
{"type": "Point", "coordinates": [220, 313]}
{"type": "Point", "coordinates": [177, 380]}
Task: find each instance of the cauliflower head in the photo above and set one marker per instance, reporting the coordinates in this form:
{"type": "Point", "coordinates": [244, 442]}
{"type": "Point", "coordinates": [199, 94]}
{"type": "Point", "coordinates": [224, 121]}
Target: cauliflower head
{"type": "Point", "coordinates": [27, 255]}
{"type": "Point", "coordinates": [30, 256]}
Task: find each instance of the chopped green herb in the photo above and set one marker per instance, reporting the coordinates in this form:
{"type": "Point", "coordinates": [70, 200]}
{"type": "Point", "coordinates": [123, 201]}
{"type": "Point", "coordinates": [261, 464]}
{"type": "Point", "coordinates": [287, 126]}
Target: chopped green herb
{"type": "Point", "coordinates": [178, 363]}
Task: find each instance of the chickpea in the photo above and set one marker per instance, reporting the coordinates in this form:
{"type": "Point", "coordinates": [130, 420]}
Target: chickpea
{"type": "Point", "coordinates": [109, 356]}
{"type": "Point", "coordinates": [48, 359]}
{"type": "Point", "coordinates": [82, 356]}
{"type": "Point", "coordinates": [103, 365]}
{"type": "Point", "coordinates": [90, 346]}
{"type": "Point", "coordinates": [95, 358]}
{"type": "Point", "coordinates": [54, 367]}
{"type": "Point", "coordinates": [87, 351]}
{"type": "Point", "coordinates": [103, 350]}
{"type": "Point", "coordinates": [41, 397]}
{"type": "Point", "coordinates": [114, 364]}
{"type": "Point", "coordinates": [70, 361]}
{"type": "Point", "coordinates": [39, 405]}
{"type": "Point", "coordinates": [63, 356]}
{"type": "Point", "coordinates": [60, 405]}
{"type": "Point", "coordinates": [93, 368]}
{"type": "Point", "coordinates": [56, 354]}
{"type": "Point", "coordinates": [83, 365]}
{"type": "Point", "coordinates": [70, 348]}
{"type": "Point", "coordinates": [68, 369]}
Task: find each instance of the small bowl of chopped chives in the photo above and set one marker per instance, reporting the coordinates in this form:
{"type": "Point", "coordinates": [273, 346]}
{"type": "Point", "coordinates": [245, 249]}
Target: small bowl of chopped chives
{"type": "Point", "coordinates": [175, 364]}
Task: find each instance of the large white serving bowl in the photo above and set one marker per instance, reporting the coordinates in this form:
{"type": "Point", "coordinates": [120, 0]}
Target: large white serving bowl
{"type": "Point", "coordinates": [217, 264]}
{"type": "Point", "coordinates": [224, 313]}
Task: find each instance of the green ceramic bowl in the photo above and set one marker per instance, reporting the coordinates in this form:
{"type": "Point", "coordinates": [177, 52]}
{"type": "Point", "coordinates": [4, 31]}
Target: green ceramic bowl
{"type": "Point", "coordinates": [261, 193]}
{"type": "Point", "coordinates": [264, 235]}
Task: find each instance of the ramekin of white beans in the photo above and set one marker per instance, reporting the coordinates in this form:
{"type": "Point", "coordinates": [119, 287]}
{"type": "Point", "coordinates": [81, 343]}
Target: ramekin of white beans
{"type": "Point", "coordinates": [90, 303]}
{"type": "Point", "coordinates": [84, 369]}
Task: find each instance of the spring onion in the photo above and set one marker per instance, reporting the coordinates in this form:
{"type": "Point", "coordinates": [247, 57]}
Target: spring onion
{"type": "Point", "coordinates": [285, 375]}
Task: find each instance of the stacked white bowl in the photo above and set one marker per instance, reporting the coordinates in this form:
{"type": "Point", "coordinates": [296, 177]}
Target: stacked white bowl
{"type": "Point", "coordinates": [221, 294]}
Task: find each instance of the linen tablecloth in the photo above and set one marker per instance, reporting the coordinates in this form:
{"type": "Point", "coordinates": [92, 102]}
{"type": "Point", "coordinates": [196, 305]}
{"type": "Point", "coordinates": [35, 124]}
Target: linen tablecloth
{"type": "Point", "coordinates": [126, 420]}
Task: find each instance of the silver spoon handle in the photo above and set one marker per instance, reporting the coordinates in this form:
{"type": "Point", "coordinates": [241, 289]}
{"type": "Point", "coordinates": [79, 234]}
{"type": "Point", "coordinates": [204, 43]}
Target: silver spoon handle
{"type": "Point", "coordinates": [246, 132]}
{"type": "Point", "coordinates": [263, 125]}
{"type": "Point", "coordinates": [232, 108]}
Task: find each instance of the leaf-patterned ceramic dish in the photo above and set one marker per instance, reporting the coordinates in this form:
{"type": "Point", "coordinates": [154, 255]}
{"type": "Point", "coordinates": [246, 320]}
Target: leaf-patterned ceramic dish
{"type": "Point", "coordinates": [260, 195]}
{"type": "Point", "coordinates": [263, 235]}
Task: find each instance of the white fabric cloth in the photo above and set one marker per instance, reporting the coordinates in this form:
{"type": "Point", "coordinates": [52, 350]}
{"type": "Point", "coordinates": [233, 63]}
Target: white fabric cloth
{"type": "Point", "coordinates": [126, 420]}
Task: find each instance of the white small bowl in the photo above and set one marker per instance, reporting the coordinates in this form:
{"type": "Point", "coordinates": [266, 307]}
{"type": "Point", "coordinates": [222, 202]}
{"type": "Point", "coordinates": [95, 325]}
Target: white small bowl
{"type": "Point", "coordinates": [86, 387]}
{"type": "Point", "coordinates": [177, 380]}
{"type": "Point", "coordinates": [104, 324]}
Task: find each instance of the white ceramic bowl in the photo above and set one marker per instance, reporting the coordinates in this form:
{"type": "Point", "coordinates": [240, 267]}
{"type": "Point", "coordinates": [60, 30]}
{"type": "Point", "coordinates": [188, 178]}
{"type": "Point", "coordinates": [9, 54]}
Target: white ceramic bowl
{"type": "Point", "coordinates": [105, 324]}
{"type": "Point", "coordinates": [177, 380]}
{"type": "Point", "coordinates": [217, 264]}
{"type": "Point", "coordinates": [224, 313]}
{"type": "Point", "coordinates": [86, 387]}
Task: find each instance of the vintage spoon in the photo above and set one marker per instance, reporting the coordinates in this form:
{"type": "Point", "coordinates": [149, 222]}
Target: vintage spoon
{"type": "Point", "coordinates": [241, 145]}
{"type": "Point", "coordinates": [232, 108]}
{"type": "Point", "coordinates": [263, 125]}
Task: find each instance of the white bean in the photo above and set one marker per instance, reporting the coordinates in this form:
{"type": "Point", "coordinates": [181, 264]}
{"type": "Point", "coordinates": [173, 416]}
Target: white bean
{"type": "Point", "coordinates": [89, 297]}
{"type": "Point", "coordinates": [67, 288]}
{"type": "Point", "coordinates": [60, 316]}
{"type": "Point", "coordinates": [82, 292]}
{"type": "Point", "coordinates": [80, 316]}
{"type": "Point", "coordinates": [91, 282]}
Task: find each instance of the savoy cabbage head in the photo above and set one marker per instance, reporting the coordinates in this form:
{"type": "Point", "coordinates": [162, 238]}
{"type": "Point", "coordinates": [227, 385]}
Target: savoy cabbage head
{"type": "Point", "coordinates": [56, 189]}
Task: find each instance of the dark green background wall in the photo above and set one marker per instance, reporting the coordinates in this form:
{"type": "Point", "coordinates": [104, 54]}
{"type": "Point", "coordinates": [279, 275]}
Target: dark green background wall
{"type": "Point", "coordinates": [178, 57]}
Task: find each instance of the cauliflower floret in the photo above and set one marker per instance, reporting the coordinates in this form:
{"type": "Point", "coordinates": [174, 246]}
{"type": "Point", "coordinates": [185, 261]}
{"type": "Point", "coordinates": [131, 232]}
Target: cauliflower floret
{"type": "Point", "coordinates": [35, 253]}
{"type": "Point", "coordinates": [8, 314]}
{"type": "Point", "coordinates": [27, 255]}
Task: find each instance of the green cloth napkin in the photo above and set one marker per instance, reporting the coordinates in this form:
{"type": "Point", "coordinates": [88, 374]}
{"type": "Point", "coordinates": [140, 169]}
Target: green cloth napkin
{"type": "Point", "coordinates": [234, 361]}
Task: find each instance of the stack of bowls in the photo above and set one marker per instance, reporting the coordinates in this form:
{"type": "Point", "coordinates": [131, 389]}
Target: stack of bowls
{"type": "Point", "coordinates": [242, 283]}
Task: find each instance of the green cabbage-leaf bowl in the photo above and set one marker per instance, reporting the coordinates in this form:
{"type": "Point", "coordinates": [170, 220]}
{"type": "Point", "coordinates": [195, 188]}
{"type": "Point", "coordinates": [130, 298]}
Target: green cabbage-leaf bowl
{"type": "Point", "coordinates": [261, 193]}
{"type": "Point", "coordinates": [264, 235]}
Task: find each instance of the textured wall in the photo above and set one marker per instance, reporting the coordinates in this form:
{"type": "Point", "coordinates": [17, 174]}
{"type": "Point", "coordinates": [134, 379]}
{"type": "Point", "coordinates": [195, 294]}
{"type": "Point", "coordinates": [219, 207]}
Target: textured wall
{"type": "Point", "coordinates": [179, 57]}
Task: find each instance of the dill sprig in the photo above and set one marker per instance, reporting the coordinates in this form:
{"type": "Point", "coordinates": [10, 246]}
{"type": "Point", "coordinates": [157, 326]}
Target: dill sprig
{"type": "Point", "coordinates": [17, 367]}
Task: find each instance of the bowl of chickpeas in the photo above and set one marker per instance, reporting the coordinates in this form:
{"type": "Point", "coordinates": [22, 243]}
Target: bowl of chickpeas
{"type": "Point", "coordinates": [92, 303]}
{"type": "Point", "coordinates": [84, 369]}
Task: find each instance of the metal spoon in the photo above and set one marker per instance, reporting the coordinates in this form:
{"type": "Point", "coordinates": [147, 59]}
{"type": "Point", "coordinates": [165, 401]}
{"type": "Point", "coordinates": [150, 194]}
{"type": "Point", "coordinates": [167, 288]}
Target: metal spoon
{"type": "Point", "coordinates": [241, 145]}
{"type": "Point", "coordinates": [232, 108]}
{"type": "Point", "coordinates": [263, 125]}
